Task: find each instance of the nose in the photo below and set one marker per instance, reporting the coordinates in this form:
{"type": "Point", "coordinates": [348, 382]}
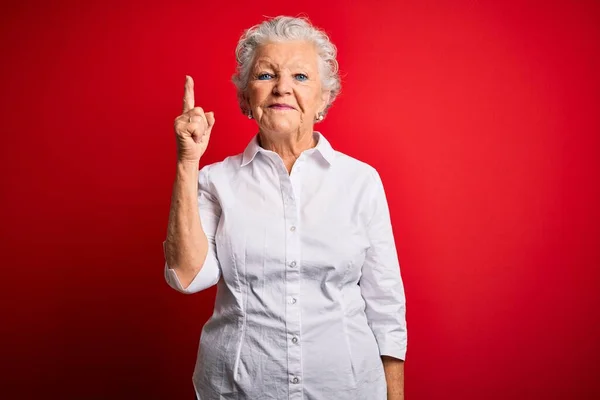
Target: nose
{"type": "Point", "coordinates": [283, 85]}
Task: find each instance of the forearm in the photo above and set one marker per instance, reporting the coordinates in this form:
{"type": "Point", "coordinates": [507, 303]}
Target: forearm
{"type": "Point", "coordinates": [186, 244]}
{"type": "Point", "coordinates": [394, 376]}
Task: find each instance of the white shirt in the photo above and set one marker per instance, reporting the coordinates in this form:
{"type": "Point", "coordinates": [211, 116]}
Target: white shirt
{"type": "Point", "coordinates": [309, 291]}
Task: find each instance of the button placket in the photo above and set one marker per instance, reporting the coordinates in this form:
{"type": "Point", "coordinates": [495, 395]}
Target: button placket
{"type": "Point", "coordinates": [292, 282]}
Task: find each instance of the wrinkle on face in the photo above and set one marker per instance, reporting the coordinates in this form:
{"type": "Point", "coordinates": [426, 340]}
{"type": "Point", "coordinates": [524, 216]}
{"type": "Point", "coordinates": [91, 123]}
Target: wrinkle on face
{"type": "Point", "coordinates": [283, 61]}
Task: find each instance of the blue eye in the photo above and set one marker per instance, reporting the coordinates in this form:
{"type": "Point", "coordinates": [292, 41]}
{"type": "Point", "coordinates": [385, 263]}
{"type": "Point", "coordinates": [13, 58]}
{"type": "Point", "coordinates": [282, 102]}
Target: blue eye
{"type": "Point", "coordinates": [264, 76]}
{"type": "Point", "coordinates": [301, 77]}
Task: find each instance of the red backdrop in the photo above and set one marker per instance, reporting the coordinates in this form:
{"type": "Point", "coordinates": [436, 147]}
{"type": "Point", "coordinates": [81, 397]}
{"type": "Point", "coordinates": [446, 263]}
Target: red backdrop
{"type": "Point", "coordinates": [482, 118]}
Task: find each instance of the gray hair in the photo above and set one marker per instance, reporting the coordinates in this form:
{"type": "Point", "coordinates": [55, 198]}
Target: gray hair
{"type": "Point", "coordinates": [280, 29]}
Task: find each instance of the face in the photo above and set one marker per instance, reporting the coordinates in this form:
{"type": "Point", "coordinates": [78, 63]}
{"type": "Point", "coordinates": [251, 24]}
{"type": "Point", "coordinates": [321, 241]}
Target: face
{"type": "Point", "coordinates": [284, 90]}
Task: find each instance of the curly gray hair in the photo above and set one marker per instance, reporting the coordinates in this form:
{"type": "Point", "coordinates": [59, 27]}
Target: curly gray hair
{"type": "Point", "coordinates": [283, 28]}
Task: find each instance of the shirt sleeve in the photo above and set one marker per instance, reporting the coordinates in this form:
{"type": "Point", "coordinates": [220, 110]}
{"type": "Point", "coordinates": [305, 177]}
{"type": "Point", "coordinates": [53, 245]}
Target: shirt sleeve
{"type": "Point", "coordinates": [210, 214]}
{"type": "Point", "coordinates": [381, 282]}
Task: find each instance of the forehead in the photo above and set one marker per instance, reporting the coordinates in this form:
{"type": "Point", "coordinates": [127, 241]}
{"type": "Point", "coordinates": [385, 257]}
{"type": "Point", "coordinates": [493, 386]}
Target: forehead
{"type": "Point", "coordinates": [287, 54]}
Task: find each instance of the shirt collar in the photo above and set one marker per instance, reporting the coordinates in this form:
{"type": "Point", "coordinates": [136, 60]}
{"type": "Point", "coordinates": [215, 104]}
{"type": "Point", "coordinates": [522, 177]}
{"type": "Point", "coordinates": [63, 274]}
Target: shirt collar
{"type": "Point", "coordinates": [323, 147]}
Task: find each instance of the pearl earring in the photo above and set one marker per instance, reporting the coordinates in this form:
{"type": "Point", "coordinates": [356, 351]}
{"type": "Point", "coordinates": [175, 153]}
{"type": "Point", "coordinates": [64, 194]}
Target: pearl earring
{"type": "Point", "coordinates": [249, 114]}
{"type": "Point", "coordinates": [319, 116]}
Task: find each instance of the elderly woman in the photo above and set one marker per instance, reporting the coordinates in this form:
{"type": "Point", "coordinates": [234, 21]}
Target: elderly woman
{"type": "Point", "coordinates": [296, 236]}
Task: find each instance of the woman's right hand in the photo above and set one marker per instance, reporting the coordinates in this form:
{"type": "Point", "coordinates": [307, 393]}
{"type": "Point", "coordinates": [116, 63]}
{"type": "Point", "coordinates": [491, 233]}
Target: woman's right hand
{"type": "Point", "coordinates": [192, 127]}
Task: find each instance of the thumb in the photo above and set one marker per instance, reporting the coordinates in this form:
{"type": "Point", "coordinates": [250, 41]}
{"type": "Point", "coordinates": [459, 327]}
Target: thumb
{"type": "Point", "coordinates": [210, 119]}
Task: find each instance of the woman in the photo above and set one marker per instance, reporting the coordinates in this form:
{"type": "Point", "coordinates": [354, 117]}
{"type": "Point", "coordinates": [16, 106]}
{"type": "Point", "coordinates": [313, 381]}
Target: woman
{"type": "Point", "coordinates": [296, 236]}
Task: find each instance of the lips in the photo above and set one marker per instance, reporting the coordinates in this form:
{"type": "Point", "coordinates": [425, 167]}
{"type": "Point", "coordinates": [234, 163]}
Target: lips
{"type": "Point", "coordinates": [281, 107]}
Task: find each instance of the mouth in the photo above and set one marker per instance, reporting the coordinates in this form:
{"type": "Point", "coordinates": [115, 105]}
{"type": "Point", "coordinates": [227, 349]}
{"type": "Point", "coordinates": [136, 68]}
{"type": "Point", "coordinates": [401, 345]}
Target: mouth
{"type": "Point", "coordinates": [281, 107]}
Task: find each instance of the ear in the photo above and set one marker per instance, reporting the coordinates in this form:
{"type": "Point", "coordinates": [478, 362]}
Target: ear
{"type": "Point", "coordinates": [244, 104]}
{"type": "Point", "coordinates": [325, 96]}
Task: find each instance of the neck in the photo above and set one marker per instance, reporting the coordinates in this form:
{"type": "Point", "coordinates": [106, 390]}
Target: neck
{"type": "Point", "coordinates": [289, 147]}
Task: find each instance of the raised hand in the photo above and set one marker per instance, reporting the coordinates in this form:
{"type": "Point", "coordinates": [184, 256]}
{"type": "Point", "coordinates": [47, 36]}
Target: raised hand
{"type": "Point", "coordinates": [192, 127]}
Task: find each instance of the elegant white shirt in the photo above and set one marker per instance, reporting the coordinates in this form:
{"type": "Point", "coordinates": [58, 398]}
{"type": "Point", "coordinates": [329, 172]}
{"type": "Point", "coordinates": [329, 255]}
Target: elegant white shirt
{"type": "Point", "coordinates": [309, 290]}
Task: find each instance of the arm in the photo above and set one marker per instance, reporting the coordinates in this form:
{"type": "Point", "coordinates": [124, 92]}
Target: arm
{"type": "Point", "coordinates": [191, 262]}
{"type": "Point", "coordinates": [394, 376]}
{"type": "Point", "coordinates": [383, 291]}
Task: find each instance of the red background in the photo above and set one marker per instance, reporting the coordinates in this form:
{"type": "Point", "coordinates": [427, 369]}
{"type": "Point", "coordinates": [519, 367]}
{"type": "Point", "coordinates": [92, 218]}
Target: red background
{"type": "Point", "coordinates": [482, 118]}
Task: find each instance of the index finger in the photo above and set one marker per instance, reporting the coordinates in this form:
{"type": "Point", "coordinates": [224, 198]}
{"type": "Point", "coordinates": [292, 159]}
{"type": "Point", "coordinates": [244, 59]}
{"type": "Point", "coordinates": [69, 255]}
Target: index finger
{"type": "Point", "coordinates": [188, 94]}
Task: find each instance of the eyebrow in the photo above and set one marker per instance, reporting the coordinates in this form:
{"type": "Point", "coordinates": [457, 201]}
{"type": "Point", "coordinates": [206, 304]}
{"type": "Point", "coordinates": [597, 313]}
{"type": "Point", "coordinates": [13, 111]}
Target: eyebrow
{"type": "Point", "coordinates": [261, 63]}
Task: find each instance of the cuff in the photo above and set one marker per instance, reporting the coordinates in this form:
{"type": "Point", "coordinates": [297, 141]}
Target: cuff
{"type": "Point", "coordinates": [392, 347]}
{"type": "Point", "coordinates": [208, 276]}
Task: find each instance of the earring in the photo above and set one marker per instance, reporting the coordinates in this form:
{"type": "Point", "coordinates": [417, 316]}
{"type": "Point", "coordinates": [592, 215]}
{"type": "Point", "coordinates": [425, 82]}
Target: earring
{"type": "Point", "coordinates": [249, 114]}
{"type": "Point", "coordinates": [319, 117]}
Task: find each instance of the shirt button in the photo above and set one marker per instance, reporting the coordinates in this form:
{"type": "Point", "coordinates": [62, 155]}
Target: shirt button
{"type": "Point", "coordinates": [293, 264]}
{"type": "Point", "coordinates": [294, 300]}
{"type": "Point", "coordinates": [294, 340]}
{"type": "Point", "coordinates": [293, 228]}
{"type": "Point", "coordinates": [295, 380]}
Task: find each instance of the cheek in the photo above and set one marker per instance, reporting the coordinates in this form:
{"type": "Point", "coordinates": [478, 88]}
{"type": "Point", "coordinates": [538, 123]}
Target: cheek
{"type": "Point", "coordinates": [309, 98]}
{"type": "Point", "coordinates": [253, 95]}
{"type": "Point", "coordinates": [256, 95]}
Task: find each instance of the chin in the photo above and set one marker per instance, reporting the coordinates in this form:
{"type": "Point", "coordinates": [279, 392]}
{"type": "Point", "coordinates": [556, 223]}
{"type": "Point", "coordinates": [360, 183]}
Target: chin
{"type": "Point", "coordinates": [281, 127]}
